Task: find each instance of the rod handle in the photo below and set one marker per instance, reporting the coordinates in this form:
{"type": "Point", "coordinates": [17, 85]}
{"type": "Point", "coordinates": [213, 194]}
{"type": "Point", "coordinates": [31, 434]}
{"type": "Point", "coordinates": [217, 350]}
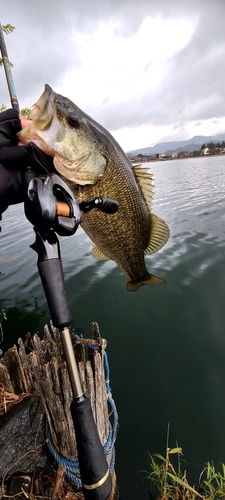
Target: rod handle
{"type": "Point", "coordinates": [95, 475]}
{"type": "Point", "coordinates": [52, 278]}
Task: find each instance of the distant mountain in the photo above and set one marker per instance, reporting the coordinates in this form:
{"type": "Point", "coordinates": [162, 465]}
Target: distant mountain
{"type": "Point", "coordinates": [193, 144]}
{"type": "Point", "coordinates": [188, 147]}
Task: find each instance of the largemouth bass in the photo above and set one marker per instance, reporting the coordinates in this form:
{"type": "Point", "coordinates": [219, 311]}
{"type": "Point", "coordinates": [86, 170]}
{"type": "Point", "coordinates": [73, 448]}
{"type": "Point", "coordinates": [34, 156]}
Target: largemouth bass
{"type": "Point", "coordinates": [93, 164]}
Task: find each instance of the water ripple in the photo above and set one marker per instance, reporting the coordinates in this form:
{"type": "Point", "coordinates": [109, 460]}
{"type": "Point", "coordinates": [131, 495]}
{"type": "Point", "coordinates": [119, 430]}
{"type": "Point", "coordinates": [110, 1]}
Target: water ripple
{"type": "Point", "coordinates": [189, 196]}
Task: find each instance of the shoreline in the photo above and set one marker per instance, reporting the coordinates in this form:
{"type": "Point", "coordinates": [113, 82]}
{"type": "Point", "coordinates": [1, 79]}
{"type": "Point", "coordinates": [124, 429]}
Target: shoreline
{"type": "Point", "coordinates": [180, 158]}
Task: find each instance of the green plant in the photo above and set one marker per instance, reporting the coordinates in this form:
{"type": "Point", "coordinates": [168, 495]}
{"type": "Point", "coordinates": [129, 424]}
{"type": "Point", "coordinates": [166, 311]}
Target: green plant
{"type": "Point", "coordinates": [213, 482]}
{"type": "Point", "coordinates": [25, 112]}
{"type": "Point", "coordinates": [169, 482]}
{"type": "Point", "coordinates": [7, 28]}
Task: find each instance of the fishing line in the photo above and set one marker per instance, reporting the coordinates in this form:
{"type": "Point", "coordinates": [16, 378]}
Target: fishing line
{"type": "Point", "coordinates": [16, 66]}
{"type": "Point", "coordinates": [35, 158]}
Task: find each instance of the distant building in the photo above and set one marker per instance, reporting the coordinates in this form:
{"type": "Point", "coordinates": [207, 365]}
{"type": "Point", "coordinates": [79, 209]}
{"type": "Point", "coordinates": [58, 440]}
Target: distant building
{"type": "Point", "coordinates": [174, 155]}
{"type": "Point", "coordinates": [183, 154]}
{"type": "Point", "coordinates": [140, 157]}
{"type": "Point", "coordinates": [205, 151]}
{"type": "Point", "coordinates": [162, 156]}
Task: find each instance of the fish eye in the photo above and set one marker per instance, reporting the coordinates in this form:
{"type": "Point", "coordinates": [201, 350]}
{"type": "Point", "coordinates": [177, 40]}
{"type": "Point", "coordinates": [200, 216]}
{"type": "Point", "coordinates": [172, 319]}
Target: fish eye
{"type": "Point", "coordinates": [73, 121]}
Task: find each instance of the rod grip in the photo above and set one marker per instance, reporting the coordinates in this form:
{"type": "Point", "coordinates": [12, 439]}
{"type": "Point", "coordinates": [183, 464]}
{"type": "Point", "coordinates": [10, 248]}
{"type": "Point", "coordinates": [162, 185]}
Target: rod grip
{"type": "Point", "coordinates": [95, 476]}
{"type": "Point", "coordinates": [52, 278]}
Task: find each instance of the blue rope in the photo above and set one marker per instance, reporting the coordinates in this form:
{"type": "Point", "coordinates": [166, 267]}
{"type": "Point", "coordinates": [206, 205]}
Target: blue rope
{"type": "Point", "coordinates": [72, 467]}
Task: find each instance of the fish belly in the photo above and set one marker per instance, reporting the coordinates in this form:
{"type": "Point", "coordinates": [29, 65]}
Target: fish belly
{"type": "Point", "coordinates": [123, 236]}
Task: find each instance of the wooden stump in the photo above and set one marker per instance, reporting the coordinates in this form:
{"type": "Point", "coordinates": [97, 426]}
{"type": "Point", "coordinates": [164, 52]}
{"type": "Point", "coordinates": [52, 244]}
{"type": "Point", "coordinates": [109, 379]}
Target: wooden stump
{"type": "Point", "coordinates": [43, 372]}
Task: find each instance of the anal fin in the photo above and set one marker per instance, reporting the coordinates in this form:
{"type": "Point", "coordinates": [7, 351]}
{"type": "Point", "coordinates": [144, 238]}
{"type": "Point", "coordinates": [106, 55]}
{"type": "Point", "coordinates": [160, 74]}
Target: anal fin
{"type": "Point", "coordinates": [98, 254]}
{"type": "Point", "coordinates": [159, 234]}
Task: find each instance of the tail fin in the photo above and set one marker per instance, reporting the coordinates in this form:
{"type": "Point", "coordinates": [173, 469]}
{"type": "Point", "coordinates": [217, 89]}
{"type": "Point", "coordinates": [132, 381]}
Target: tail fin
{"type": "Point", "coordinates": [149, 280]}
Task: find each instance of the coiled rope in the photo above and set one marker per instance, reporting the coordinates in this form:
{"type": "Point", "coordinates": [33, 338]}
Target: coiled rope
{"type": "Point", "coordinates": [72, 467]}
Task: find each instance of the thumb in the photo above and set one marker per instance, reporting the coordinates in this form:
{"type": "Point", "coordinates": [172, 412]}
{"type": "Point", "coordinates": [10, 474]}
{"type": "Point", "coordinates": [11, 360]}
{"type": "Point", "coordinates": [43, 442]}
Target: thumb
{"type": "Point", "coordinates": [24, 121]}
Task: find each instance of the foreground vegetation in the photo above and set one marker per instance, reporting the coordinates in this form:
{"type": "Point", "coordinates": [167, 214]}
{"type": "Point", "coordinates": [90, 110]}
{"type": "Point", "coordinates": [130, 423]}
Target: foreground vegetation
{"type": "Point", "coordinates": [169, 481]}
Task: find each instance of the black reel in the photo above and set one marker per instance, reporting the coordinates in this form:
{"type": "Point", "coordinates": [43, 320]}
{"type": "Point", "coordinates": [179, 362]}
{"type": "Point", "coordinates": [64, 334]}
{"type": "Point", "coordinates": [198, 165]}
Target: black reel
{"type": "Point", "coordinates": [51, 205]}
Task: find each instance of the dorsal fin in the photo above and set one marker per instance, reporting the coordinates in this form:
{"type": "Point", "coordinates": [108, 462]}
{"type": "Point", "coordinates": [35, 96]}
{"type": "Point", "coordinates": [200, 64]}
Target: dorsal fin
{"type": "Point", "coordinates": [159, 234]}
{"type": "Point", "coordinates": [145, 181]}
{"type": "Point", "coordinates": [98, 254]}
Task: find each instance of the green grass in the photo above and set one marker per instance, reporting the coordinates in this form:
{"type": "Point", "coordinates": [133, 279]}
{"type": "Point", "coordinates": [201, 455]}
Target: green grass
{"type": "Point", "coordinates": [169, 481]}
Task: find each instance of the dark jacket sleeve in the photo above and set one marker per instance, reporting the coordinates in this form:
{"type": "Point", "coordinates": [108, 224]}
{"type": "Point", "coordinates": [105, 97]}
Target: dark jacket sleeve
{"type": "Point", "coordinates": [20, 157]}
{"type": "Point", "coordinates": [9, 126]}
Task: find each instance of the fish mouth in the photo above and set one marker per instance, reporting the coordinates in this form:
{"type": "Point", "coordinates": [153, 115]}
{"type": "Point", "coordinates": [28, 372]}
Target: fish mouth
{"type": "Point", "coordinates": [51, 103]}
{"type": "Point", "coordinates": [46, 104]}
{"type": "Point", "coordinates": [59, 128]}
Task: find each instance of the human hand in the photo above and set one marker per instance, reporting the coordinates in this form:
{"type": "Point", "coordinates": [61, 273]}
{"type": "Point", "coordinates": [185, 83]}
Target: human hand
{"type": "Point", "coordinates": [24, 123]}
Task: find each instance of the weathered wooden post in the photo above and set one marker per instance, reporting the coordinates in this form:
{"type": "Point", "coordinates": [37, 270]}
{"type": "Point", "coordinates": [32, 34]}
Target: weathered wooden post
{"type": "Point", "coordinates": [44, 372]}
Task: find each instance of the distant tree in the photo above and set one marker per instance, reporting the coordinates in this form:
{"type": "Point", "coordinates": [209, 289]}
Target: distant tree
{"type": "Point", "coordinates": [7, 28]}
{"type": "Point", "coordinates": [25, 112]}
{"type": "Point", "coordinates": [2, 108]}
{"type": "Point", "coordinates": [203, 146]}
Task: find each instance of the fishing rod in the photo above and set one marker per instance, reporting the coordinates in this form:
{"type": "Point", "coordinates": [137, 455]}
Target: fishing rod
{"type": "Point", "coordinates": [52, 208]}
{"type": "Point", "coordinates": [8, 72]}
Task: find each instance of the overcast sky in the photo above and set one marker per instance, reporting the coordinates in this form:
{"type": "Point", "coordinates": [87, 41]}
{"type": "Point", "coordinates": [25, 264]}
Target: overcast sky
{"type": "Point", "coordinates": [147, 70]}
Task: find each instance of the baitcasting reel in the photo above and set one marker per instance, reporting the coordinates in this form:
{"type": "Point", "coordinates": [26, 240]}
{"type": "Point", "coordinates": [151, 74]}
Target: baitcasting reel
{"type": "Point", "coordinates": [51, 205]}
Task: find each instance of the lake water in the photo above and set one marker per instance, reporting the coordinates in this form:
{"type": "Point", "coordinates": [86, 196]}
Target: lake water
{"type": "Point", "coordinates": [166, 344]}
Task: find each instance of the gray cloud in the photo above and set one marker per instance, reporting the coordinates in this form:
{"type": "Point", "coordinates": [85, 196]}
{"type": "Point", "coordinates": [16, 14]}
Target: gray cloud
{"type": "Point", "coordinates": [194, 87]}
{"type": "Point", "coordinates": [194, 84]}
